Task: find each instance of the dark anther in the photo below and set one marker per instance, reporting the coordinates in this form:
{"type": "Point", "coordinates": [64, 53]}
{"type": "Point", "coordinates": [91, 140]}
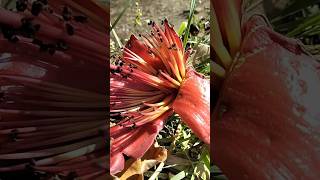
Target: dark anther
{"type": "Point", "coordinates": [14, 39]}
{"type": "Point", "coordinates": [29, 167]}
{"type": "Point", "coordinates": [133, 125]}
{"type": "Point", "coordinates": [152, 34]}
{"type": "Point", "coordinates": [43, 48]}
{"type": "Point", "coordinates": [158, 31]}
{"type": "Point", "coordinates": [7, 32]}
{"type": "Point", "coordinates": [118, 70]}
{"type": "Point", "coordinates": [37, 27]}
{"type": "Point", "coordinates": [36, 8]}
{"type": "Point", "coordinates": [66, 13]}
{"type": "Point", "coordinates": [37, 42]}
{"type": "Point", "coordinates": [2, 97]}
{"type": "Point", "coordinates": [13, 134]}
{"type": "Point", "coordinates": [174, 47]}
{"type": "Point", "coordinates": [116, 116]}
{"type": "Point", "coordinates": [153, 23]}
{"type": "Point", "coordinates": [125, 76]}
{"type": "Point", "coordinates": [150, 22]}
{"type": "Point", "coordinates": [117, 62]}
{"type": "Point", "coordinates": [51, 46]}
{"type": "Point", "coordinates": [194, 30]}
{"type": "Point", "coordinates": [188, 45]}
{"type": "Point", "coordinates": [52, 51]}
{"type": "Point", "coordinates": [162, 22]}
{"type": "Point", "coordinates": [21, 5]}
{"type": "Point", "coordinates": [28, 29]}
{"type": "Point", "coordinates": [140, 35]}
{"type": "Point", "coordinates": [70, 29]}
{"type": "Point", "coordinates": [80, 19]}
{"type": "Point", "coordinates": [113, 72]}
{"type": "Point", "coordinates": [61, 45]}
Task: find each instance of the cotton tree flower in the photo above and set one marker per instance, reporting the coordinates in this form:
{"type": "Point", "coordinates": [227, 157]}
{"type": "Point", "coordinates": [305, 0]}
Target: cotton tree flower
{"type": "Point", "coordinates": [52, 85]}
{"type": "Point", "coordinates": [148, 84]}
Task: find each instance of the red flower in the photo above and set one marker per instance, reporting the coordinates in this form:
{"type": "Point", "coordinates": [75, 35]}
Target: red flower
{"type": "Point", "coordinates": [52, 84]}
{"type": "Point", "coordinates": [147, 86]}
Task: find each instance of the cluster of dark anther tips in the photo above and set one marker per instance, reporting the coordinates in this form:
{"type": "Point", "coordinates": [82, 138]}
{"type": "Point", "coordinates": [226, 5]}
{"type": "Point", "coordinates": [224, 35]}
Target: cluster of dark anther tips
{"type": "Point", "coordinates": [67, 16]}
{"type": "Point", "coordinates": [120, 64]}
{"type": "Point", "coordinates": [29, 30]}
{"type": "Point", "coordinates": [120, 119]}
{"type": "Point", "coordinates": [36, 6]}
{"type": "Point", "coordinates": [152, 23]}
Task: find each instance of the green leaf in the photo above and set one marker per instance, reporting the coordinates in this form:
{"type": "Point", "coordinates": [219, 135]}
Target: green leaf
{"type": "Point", "coordinates": [308, 22]}
{"type": "Point", "coordinates": [138, 14]}
{"type": "Point", "coordinates": [293, 7]}
{"type": "Point", "coordinates": [205, 158]}
{"type": "Point", "coordinates": [182, 28]}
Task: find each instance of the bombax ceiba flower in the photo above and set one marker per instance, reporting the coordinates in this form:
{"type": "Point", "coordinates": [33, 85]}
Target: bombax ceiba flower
{"type": "Point", "coordinates": [150, 83]}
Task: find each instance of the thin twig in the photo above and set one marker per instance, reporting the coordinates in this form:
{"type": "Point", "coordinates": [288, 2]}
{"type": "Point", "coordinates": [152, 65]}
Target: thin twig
{"type": "Point", "coordinates": [157, 171]}
{"type": "Point", "coordinates": [116, 37]}
{"type": "Point", "coordinates": [191, 12]}
{"type": "Point", "coordinates": [120, 15]}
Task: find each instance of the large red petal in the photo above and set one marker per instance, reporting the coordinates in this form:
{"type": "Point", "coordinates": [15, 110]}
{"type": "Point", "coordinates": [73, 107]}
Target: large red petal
{"type": "Point", "coordinates": [142, 51]}
{"type": "Point", "coordinates": [193, 104]}
{"type": "Point", "coordinates": [137, 144]}
{"type": "Point", "coordinates": [116, 162]}
{"type": "Point", "coordinates": [267, 121]}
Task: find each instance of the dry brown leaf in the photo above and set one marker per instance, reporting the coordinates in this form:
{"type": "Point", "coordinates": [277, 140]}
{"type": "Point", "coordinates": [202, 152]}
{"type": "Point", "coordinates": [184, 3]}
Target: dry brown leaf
{"type": "Point", "coordinates": [134, 168]}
